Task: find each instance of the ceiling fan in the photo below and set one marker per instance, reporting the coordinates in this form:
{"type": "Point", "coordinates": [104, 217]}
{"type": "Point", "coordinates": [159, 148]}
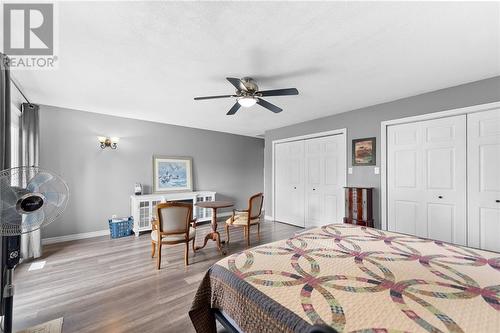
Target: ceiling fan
{"type": "Point", "coordinates": [248, 94]}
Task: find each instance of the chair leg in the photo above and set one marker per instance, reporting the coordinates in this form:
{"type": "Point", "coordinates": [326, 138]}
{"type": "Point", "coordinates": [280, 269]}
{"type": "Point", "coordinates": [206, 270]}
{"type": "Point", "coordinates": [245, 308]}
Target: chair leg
{"type": "Point", "coordinates": [247, 229]}
{"type": "Point", "coordinates": [186, 254]}
{"type": "Point", "coordinates": [258, 231]}
{"type": "Point", "coordinates": [153, 249]}
{"type": "Point", "coordinates": [227, 234]}
{"type": "Point", "coordinates": [194, 247]}
{"type": "Point", "coordinates": [158, 260]}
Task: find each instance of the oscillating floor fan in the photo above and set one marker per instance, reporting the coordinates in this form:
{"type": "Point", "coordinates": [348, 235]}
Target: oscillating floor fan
{"type": "Point", "coordinates": [30, 198]}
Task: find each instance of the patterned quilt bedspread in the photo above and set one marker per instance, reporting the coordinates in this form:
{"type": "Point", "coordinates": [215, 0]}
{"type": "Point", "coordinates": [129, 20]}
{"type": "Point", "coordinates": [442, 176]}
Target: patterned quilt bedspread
{"type": "Point", "coordinates": [354, 279]}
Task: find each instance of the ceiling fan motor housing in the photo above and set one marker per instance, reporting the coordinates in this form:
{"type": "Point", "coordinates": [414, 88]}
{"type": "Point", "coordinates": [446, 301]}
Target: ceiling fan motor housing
{"type": "Point", "coordinates": [249, 85]}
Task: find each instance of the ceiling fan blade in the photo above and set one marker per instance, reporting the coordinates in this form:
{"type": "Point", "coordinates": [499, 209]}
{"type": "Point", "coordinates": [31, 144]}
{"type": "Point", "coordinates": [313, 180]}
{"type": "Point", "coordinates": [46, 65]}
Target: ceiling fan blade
{"type": "Point", "coordinates": [236, 83]}
{"type": "Point", "coordinates": [268, 105]}
{"type": "Point", "coordinates": [233, 110]}
{"type": "Point", "coordinates": [212, 97]}
{"type": "Point", "coordinates": [279, 92]}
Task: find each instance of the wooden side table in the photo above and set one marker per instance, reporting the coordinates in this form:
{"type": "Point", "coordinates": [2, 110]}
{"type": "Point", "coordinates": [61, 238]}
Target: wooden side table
{"type": "Point", "coordinates": [214, 234]}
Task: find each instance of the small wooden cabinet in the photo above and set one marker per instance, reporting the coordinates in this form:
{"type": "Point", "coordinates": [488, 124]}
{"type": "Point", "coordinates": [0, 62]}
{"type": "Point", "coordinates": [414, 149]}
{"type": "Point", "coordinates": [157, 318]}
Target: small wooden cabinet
{"type": "Point", "coordinates": [359, 206]}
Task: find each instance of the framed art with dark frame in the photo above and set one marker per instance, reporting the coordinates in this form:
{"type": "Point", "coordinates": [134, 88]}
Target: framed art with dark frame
{"type": "Point", "coordinates": [172, 174]}
{"type": "Point", "coordinates": [364, 151]}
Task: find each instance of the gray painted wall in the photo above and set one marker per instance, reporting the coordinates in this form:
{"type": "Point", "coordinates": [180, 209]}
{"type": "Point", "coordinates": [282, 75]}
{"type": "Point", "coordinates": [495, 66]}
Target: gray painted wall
{"type": "Point", "coordinates": [101, 181]}
{"type": "Point", "coordinates": [365, 122]}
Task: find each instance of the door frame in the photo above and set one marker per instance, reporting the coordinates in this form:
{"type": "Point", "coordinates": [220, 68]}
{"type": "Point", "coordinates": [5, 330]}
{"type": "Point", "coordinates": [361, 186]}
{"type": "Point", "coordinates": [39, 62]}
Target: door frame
{"type": "Point", "coordinates": [341, 131]}
{"type": "Point", "coordinates": [428, 116]}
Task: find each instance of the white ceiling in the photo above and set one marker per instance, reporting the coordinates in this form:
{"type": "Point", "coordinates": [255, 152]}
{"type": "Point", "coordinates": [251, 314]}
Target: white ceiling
{"type": "Point", "coordinates": [147, 60]}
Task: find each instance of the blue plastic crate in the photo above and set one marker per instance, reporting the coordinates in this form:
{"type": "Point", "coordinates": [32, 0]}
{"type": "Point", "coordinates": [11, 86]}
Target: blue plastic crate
{"type": "Point", "coordinates": [121, 227]}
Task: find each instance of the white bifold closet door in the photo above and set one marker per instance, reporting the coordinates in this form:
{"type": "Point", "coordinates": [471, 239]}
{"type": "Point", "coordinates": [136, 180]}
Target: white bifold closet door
{"type": "Point", "coordinates": [426, 179]}
{"type": "Point", "coordinates": [325, 161]}
{"type": "Point", "coordinates": [309, 176]}
{"type": "Point", "coordinates": [483, 144]}
{"type": "Point", "coordinates": [289, 182]}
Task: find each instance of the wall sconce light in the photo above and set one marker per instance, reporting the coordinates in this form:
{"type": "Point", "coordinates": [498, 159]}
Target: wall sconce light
{"type": "Point", "coordinates": [108, 142]}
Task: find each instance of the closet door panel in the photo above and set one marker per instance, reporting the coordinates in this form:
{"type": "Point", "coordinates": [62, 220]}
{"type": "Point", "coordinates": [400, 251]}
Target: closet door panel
{"type": "Point", "coordinates": [331, 202]}
{"type": "Point", "coordinates": [444, 174]}
{"type": "Point", "coordinates": [331, 170]}
{"type": "Point", "coordinates": [440, 220]}
{"type": "Point", "coordinates": [289, 182]}
{"type": "Point", "coordinates": [489, 163]}
{"type": "Point", "coordinates": [426, 179]}
{"type": "Point", "coordinates": [489, 227]}
{"type": "Point", "coordinates": [405, 167]}
{"type": "Point", "coordinates": [325, 178]}
{"type": "Point", "coordinates": [333, 182]}
{"type": "Point", "coordinates": [314, 209]}
{"type": "Point", "coordinates": [334, 170]}
{"type": "Point", "coordinates": [315, 175]}
{"type": "Point", "coordinates": [404, 180]}
{"type": "Point", "coordinates": [282, 192]}
{"type": "Point", "coordinates": [314, 170]}
{"type": "Point", "coordinates": [406, 216]}
{"type": "Point", "coordinates": [483, 144]}
{"type": "Point", "coordinates": [441, 168]}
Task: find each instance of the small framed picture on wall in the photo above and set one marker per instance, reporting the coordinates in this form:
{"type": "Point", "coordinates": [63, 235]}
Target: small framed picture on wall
{"type": "Point", "coordinates": [172, 174]}
{"type": "Point", "coordinates": [364, 152]}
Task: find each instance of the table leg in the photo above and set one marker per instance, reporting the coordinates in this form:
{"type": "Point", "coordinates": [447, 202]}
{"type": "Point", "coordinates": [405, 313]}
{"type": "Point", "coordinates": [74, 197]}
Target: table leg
{"type": "Point", "coordinates": [214, 234]}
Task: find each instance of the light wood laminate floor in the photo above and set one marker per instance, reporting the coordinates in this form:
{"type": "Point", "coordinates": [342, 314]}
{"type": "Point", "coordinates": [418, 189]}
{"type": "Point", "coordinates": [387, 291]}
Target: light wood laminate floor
{"type": "Point", "coordinates": [112, 285]}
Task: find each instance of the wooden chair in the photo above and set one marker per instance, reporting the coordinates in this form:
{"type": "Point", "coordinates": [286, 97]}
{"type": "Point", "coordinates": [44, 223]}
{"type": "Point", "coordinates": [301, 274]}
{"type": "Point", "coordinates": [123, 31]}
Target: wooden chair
{"type": "Point", "coordinates": [247, 217]}
{"type": "Point", "coordinates": [173, 226]}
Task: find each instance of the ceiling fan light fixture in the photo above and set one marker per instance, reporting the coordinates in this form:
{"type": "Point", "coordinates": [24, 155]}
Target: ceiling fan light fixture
{"type": "Point", "coordinates": [247, 101]}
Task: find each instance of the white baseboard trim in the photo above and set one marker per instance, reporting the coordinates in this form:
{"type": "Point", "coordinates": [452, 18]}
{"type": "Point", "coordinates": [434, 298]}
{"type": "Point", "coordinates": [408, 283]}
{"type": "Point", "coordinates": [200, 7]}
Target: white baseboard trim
{"type": "Point", "coordinates": [66, 238]}
{"type": "Point", "coordinates": [52, 240]}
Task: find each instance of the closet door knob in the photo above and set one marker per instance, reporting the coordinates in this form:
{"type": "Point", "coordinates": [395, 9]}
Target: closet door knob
{"type": "Point", "coordinates": [314, 189]}
{"type": "Point", "coordinates": [440, 197]}
{"type": "Point", "coordinates": [295, 187]}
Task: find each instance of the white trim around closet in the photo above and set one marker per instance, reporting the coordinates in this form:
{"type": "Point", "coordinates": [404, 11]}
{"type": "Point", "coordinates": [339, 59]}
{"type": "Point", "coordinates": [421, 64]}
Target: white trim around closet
{"type": "Point", "coordinates": [341, 131]}
{"type": "Point", "coordinates": [428, 116]}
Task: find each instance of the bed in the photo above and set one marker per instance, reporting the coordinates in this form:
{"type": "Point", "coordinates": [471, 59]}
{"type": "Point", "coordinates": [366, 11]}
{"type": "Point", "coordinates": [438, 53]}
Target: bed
{"type": "Point", "coordinates": [346, 278]}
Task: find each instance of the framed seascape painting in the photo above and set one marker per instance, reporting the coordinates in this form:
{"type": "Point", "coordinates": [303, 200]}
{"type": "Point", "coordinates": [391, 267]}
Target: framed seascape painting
{"type": "Point", "coordinates": [363, 152]}
{"type": "Point", "coordinates": [172, 174]}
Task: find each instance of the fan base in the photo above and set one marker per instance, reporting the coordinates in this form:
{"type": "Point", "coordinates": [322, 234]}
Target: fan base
{"type": "Point", "coordinates": [249, 84]}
